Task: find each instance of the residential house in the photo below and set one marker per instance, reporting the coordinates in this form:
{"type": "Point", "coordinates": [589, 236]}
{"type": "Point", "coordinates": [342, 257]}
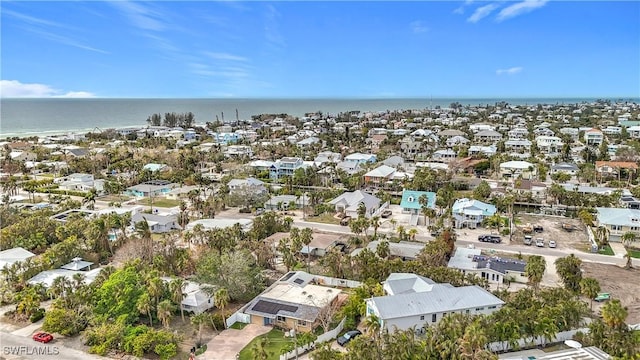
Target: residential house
{"type": "Point", "coordinates": [414, 301]}
{"type": "Point", "coordinates": [444, 155]}
{"type": "Point", "coordinates": [261, 165]}
{"type": "Point", "coordinates": [237, 151]}
{"type": "Point", "coordinates": [15, 255]}
{"type": "Point", "coordinates": [618, 221]}
{"type": "Point", "coordinates": [287, 202]}
{"type": "Point", "coordinates": [151, 188]}
{"type": "Point", "coordinates": [321, 243]}
{"type": "Point", "coordinates": [634, 131]}
{"type": "Point", "coordinates": [566, 168]}
{"type": "Point", "coordinates": [549, 144]}
{"type": "Point", "coordinates": [495, 270]}
{"type": "Point", "coordinates": [410, 204]}
{"type": "Point", "coordinates": [76, 266]}
{"type": "Point", "coordinates": [76, 152]}
{"type": "Point", "coordinates": [325, 157]}
{"type": "Point", "coordinates": [195, 298]}
{"type": "Point", "coordinates": [80, 182]}
{"type": "Point", "coordinates": [286, 166]}
{"type": "Point", "coordinates": [475, 150]}
{"type": "Point", "coordinates": [536, 189]}
{"type": "Point", "coordinates": [217, 223]}
{"type": "Point", "coordinates": [225, 138]}
{"type": "Point", "coordinates": [518, 145]}
{"type": "Point", "coordinates": [292, 302]}
{"type": "Point", "coordinates": [379, 176]}
{"type": "Point", "coordinates": [450, 133]}
{"type": "Point", "coordinates": [457, 140]}
{"type": "Point", "coordinates": [158, 223]}
{"type": "Point", "coordinates": [248, 185]}
{"type": "Point", "coordinates": [359, 158]}
{"type": "Point", "coordinates": [476, 128]}
{"type": "Point", "coordinates": [518, 133]}
{"type": "Point", "coordinates": [593, 137]}
{"type": "Point", "coordinates": [471, 213]}
{"type": "Point", "coordinates": [488, 136]}
{"type": "Point", "coordinates": [308, 142]}
{"type": "Point", "coordinates": [517, 169]}
{"type": "Point", "coordinates": [24, 156]}
{"type": "Point", "coordinates": [376, 141]}
{"type": "Point", "coordinates": [543, 132]}
{"type": "Point", "coordinates": [411, 147]}
{"type": "Point", "coordinates": [349, 203]}
{"type": "Point", "coordinates": [571, 132]}
{"type": "Point", "coordinates": [394, 161]}
{"type": "Point", "coordinates": [612, 130]}
{"type": "Point", "coordinates": [182, 192]}
{"type": "Point", "coordinates": [616, 168]}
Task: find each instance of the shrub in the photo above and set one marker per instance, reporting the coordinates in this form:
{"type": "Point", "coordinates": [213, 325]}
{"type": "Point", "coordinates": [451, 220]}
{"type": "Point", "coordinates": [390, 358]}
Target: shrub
{"type": "Point", "coordinates": [37, 315]}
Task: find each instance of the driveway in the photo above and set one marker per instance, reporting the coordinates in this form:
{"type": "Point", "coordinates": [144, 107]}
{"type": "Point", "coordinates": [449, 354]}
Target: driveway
{"type": "Point", "coordinates": [227, 344]}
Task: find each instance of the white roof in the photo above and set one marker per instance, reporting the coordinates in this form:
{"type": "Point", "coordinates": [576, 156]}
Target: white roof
{"type": "Point", "coordinates": [381, 171]}
{"type": "Point", "coordinates": [219, 223]}
{"type": "Point", "coordinates": [516, 164]}
{"type": "Point", "coordinates": [11, 256]}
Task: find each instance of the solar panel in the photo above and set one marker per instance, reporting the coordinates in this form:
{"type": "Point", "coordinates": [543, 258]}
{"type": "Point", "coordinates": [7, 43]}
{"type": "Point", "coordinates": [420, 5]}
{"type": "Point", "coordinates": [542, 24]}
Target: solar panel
{"type": "Point", "coordinates": [273, 308]}
{"type": "Point", "coordinates": [298, 281]}
{"type": "Point", "coordinates": [287, 276]}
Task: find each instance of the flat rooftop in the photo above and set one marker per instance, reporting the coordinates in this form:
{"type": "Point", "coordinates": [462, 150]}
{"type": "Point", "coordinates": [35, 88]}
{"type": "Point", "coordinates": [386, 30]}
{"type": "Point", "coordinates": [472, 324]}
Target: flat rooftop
{"type": "Point", "coordinates": [311, 295]}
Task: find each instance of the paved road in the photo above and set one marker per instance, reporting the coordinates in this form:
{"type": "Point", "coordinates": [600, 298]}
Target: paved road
{"type": "Point", "coordinates": [16, 347]}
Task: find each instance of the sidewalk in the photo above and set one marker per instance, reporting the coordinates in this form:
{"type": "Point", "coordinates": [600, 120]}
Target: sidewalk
{"type": "Point", "coordinates": [618, 249]}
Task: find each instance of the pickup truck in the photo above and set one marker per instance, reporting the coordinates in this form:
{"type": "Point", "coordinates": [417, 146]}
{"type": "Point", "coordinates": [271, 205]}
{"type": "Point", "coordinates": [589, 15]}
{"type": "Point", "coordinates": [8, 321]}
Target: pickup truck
{"type": "Point", "coordinates": [538, 228]}
{"type": "Point", "coordinates": [568, 227]}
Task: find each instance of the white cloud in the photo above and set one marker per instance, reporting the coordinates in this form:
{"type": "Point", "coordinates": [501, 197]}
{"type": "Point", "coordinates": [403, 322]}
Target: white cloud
{"type": "Point", "coordinates": [520, 8]}
{"type": "Point", "coordinates": [226, 56]}
{"type": "Point", "coordinates": [141, 16]}
{"type": "Point", "coordinates": [272, 27]}
{"type": "Point", "coordinates": [481, 12]}
{"type": "Point", "coordinates": [510, 71]}
{"type": "Point", "coordinates": [16, 89]}
{"type": "Point", "coordinates": [418, 27]}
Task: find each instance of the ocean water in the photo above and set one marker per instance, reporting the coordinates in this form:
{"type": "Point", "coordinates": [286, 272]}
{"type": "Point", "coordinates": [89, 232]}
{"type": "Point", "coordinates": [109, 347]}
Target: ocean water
{"type": "Point", "coordinates": [27, 117]}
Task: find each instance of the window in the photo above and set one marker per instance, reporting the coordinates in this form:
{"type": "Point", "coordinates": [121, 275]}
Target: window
{"type": "Point", "coordinates": [616, 227]}
{"type": "Point", "coordinates": [492, 307]}
{"type": "Point", "coordinates": [479, 309]}
{"type": "Point", "coordinates": [302, 323]}
{"type": "Point", "coordinates": [421, 317]}
{"type": "Point", "coordinates": [433, 318]}
{"type": "Point", "coordinates": [634, 228]}
{"type": "Point", "coordinates": [466, 311]}
{"type": "Point", "coordinates": [280, 318]}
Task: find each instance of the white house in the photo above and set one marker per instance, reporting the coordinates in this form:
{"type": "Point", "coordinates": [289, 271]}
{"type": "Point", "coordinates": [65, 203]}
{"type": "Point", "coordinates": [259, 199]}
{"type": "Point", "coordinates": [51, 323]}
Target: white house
{"type": "Point", "coordinates": [80, 182]}
{"type": "Point", "coordinates": [157, 223]}
{"type": "Point", "coordinates": [567, 168]}
{"type": "Point", "coordinates": [518, 145]}
{"type": "Point", "coordinates": [488, 136]}
{"type": "Point", "coordinates": [494, 269]}
{"type": "Point", "coordinates": [11, 256]}
{"type": "Point", "coordinates": [516, 169]}
{"type": "Point", "coordinates": [471, 213]}
{"type": "Point", "coordinates": [593, 137]}
{"type": "Point", "coordinates": [195, 299]}
{"type": "Point", "coordinates": [416, 301]}
{"type": "Point", "coordinates": [254, 186]}
{"type": "Point", "coordinates": [549, 144]}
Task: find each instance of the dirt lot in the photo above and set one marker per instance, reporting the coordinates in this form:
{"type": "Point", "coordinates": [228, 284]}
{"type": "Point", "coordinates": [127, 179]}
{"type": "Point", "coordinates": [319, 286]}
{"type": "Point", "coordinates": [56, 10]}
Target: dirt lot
{"type": "Point", "coordinates": [620, 283]}
{"type": "Point", "coordinates": [552, 225]}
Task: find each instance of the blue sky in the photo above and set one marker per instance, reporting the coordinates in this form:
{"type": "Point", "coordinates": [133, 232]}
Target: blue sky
{"type": "Point", "coordinates": [531, 48]}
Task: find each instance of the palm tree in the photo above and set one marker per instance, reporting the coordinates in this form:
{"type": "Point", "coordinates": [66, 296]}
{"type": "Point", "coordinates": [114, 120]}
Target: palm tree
{"type": "Point", "coordinates": [412, 233]}
{"type": "Point", "coordinates": [144, 232]}
{"type": "Point", "coordinates": [614, 314]}
{"type": "Point", "coordinates": [535, 268]}
{"type": "Point", "coordinates": [199, 321]}
{"type": "Point", "coordinates": [144, 306]}
{"type": "Point", "coordinates": [221, 299]}
{"type": "Point", "coordinates": [375, 223]}
{"type": "Point", "coordinates": [627, 239]}
{"type": "Point", "coordinates": [155, 287]}
{"type": "Point", "coordinates": [306, 236]}
{"type": "Point", "coordinates": [90, 199]}
{"type": "Point", "coordinates": [590, 288]}
{"type": "Point", "coordinates": [383, 249]}
{"type": "Point", "coordinates": [401, 232]}
{"type": "Point", "coordinates": [165, 308]}
{"type": "Point", "coordinates": [259, 349]}
{"type": "Point", "coordinates": [176, 288]}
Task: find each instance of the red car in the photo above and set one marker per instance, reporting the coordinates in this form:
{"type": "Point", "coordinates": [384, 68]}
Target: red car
{"type": "Point", "coordinates": [42, 337]}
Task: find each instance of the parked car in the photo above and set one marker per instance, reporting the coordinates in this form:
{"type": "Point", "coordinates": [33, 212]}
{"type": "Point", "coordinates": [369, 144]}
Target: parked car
{"type": "Point", "coordinates": [259, 211]}
{"type": "Point", "coordinates": [386, 214]}
{"type": "Point", "coordinates": [528, 240]}
{"type": "Point", "coordinates": [602, 297]}
{"type": "Point", "coordinates": [538, 228]}
{"type": "Point", "coordinates": [552, 243]}
{"type": "Point", "coordinates": [42, 337]}
{"type": "Point", "coordinates": [540, 242]}
{"type": "Point", "coordinates": [348, 336]}
{"type": "Point", "coordinates": [490, 238]}
{"type": "Point", "coordinates": [345, 220]}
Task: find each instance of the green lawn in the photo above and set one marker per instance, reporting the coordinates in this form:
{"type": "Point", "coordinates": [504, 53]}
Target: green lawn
{"type": "Point", "coordinates": [606, 251]}
{"type": "Point", "coordinates": [635, 253]}
{"type": "Point", "coordinates": [238, 325]}
{"type": "Point", "coordinates": [325, 218]}
{"type": "Point", "coordinates": [276, 342]}
{"type": "Point", "coordinates": [166, 203]}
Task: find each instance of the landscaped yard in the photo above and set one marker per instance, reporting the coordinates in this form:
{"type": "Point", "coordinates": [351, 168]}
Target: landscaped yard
{"type": "Point", "coordinates": [166, 203]}
{"type": "Point", "coordinates": [326, 218]}
{"type": "Point", "coordinates": [606, 251]}
{"type": "Point", "coordinates": [275, 343]}
{"type": "Point", "coordinates": [635, 253]}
